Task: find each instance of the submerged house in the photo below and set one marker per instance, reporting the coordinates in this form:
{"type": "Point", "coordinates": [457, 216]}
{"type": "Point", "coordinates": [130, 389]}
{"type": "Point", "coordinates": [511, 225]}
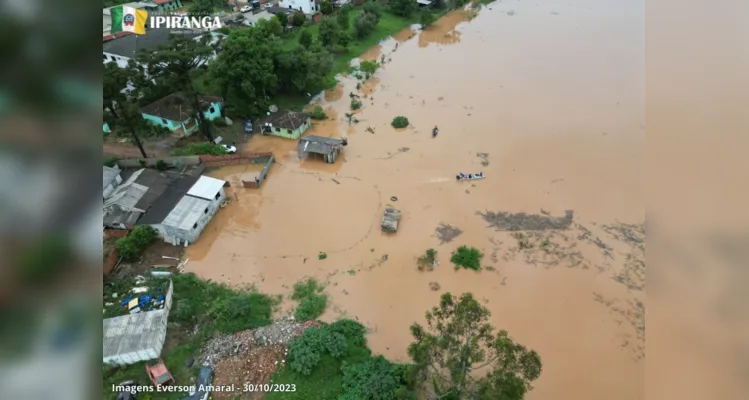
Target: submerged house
{"type": "Point", "coordinates": [176, 112]}
{"type": "Point", "coordinates": [286, 124]}
{"type": "Point", "coordinates": [328, 148]}
{"type": "Point", "coordinates": [181, 213]}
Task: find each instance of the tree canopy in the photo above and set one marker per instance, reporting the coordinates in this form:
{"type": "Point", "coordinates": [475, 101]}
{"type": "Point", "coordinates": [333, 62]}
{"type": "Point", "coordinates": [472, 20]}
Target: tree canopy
{"type": "Point", "coordinates": [403, 8]}
{"type": "Point", "coordinates": [458, 341]}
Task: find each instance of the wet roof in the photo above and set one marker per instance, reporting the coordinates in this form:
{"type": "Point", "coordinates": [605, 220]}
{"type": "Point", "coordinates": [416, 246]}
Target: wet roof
{"type": "Point", "coordinates": [177, 107]}
{"type": "Point", "coordinates": [317, 144]}
{"type": "Point", "coordinates": [286, 119]}
{"type": "Point", "coordinates": [130, 45]}
{"type": "Point", "coordinates": [186, 213]}
{"type": "Point", "coordinates": [139, 192]}
{"type": "Point", "coordinates": [109, 175]}
{"type": "Point", "coordinates": [168, 200]}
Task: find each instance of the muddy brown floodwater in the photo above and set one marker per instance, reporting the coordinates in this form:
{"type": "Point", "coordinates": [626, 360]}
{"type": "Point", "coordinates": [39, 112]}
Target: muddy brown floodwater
{"type": "Point", "coordinates": [547, 100]}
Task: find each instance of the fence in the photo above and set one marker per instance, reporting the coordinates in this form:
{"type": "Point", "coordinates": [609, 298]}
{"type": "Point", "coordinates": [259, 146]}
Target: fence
{"type": "Point", "coordinates": [233, 159]}
{"type": "Point", "coordinates": [269, 160]}
{"type": "Point", "coordinates": [176, 162]}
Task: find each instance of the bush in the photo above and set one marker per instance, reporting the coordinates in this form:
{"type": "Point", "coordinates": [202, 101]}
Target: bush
{"type": "Point", "coordinates": [111, 161]}
{"type": "Point", "coordinates": [467, 258]}
{"type": "Point", "coordinates": [305, 39]}
{"type": "Point", "coordinates": [143, 235]}
{"type": "Point", "coordinates": [427, 260]}
{"type": "Point", "coordinates": [373, 8]}
{"type": "Point", "coordinates": [161, 165]}
{"type": "Point", "coordinates": [298, 20]}
{"type": "Point", "coordinates": [355, 104]}
{"type": "Point", "coordinates": [403, 8]}
{"type": "Point", "coordinates": [205, 148]}
{"type": "Point", "coordinates": [335, 339]}
{"type": "Point", "coordinates": [241, 310]}
{"type": "Point", "coordinates": [365, 23]}
{"type": "Point", "coordinates": [312, 301]}
{"type": "Point", "coordinates": [426, 19]}
{"type": "Point", "coordinates": [127, 249]}
{"type": "Point", "coordinates": [369, 67]}
{"type": "Point", "coordinates": [318, 113]}
{"type": "Point", "coordinates": [219, 121]}
{"type": "Point", "coordinates": [326, 8]}
{"type": "Point", "coordinates": [183, 311]}
{"type": "Point", "coordinates": [400, 122]}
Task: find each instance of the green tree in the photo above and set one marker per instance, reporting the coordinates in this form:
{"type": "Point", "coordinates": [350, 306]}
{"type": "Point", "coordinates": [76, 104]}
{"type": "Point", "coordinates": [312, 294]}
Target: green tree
{"type": "Point", "coordinates": [376, 378]}
{"type": "Point", "coordinates": [329, 32]}
{"type": "Point", "coordinates": [302, 69]}
{"type": "Point", "coordinates": [365, 23]}
{"type": "Point", "coordinates": [426, 19]}
{"type": "Point", "coordinates": [116, 79]}
{"type": "Point", "coordinates": [272, 26]}
{"type": "Point", "coordinates": [245, 69]}
{"type": "Point", "coordinates": [372, 7]}
{"type": "Point", "coordinates": [326, 8]}
{"type": "Point", "coordinates": [343, 20]}
{"type": "Point", "coordinates": [283, 19]}
{"type": "Point", "coordinates": [201, 8]}
{"type": "Point", "coordinates": [458, 341]}
{"type": "Point", "coordinates": [298, 19]}
{"type": "Point", "coordinates": [305, 39]}
{"type": "Point", "coordinates": [403, 8]}
{"type": "Point", "coordinates": [178, 62]}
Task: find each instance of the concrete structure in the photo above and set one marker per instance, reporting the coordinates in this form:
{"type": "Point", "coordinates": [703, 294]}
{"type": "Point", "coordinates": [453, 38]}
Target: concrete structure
{"type": "Point", "coordinates": [183, 211]}
{"type": "Point", "coordinates": [328, 148]}
{"type": "Point", "coordinates": [286, 124]}
{"type": "Point", "coordinates": [305, 6]}
{"type": "Point", "coordinates": [112, 179]}
{"type": "Point", "coordinates": [176, 113]}
{"type": "Point", "coordinates": [131, 199]}
{"type": "Point", "coordinates": [136, 337]}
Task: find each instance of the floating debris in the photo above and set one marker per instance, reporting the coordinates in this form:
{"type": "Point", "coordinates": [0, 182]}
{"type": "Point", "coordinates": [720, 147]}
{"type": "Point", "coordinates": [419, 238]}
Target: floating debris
{"type": "Point", "coordinates": [504, 221]}
{"type": "Point", "coordinates": [447, 233]}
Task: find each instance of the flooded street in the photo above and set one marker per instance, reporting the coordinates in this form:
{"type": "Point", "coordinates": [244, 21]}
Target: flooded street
{"type": "Point", "coordinates": [546, 99]}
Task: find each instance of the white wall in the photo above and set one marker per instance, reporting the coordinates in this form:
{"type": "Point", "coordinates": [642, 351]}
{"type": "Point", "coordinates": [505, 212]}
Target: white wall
{"type": "Point", "coordinates": [306, 6]}
{"type": "Point", "coordinates": [120, 60]}
{"type": "Point", "coordinates": [178, 237]}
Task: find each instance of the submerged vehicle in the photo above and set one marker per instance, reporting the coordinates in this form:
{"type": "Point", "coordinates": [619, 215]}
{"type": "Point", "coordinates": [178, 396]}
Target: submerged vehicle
{"type": "Point", "coordinates": [467, 177]}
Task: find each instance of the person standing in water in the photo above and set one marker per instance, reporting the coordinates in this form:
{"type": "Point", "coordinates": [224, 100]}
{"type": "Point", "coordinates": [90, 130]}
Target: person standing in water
{"type": "Point", "coordinates": [434, 131]}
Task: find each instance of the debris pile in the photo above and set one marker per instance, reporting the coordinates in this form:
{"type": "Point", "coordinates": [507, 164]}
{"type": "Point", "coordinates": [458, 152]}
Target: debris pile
{"type": "Point", "coordinates": [504, 221]}
{"type": "Point", "coordinates": [434, 286]}
{"type": "Point", "coordinates": [447, 233]}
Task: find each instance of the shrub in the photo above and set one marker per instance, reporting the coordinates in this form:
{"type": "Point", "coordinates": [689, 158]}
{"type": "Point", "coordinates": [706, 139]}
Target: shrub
{"type": "Point", "coordinates": [467, 258]}
{"type": "Point", "coordinates": [127, 249]}
{"type": "Point", "coordinates": [318, 113]}
{"type": "Point", "coordinates": [305, 39]}
{"type": "Point", "coordinates": [426, 19]}
{"type": "Point", "coordinates": [400, 122]}
{"type": "Point", "coordinates": [369, 67]}
{"type": "Point", "coordinates": [111, 161]}
{"type": "Point", "coordinates": [183, 311]}
{"type": "Point", "coordinates": [365, 23]}
{"type": "Point", "coordinates": [298, 20]}
{"type": "Point", "coordinates": [326, 8]}
{"type": "Point", "coordinates": [312, 301]}
{"type": "Point", "coordinates": [373, 8]}
{"type": "Point", "coordinates": [219, 121]}
{"type": "Point", "coordinates": [427, 260]}
{"type": "Point", "coordinates": [161, 165]}
{"type": "Point", "coordinates": [241, 310]}
{"type": "Point", "coordinates": [143, 235]}
{"type": "Point", "coordinates": [355, 104]}
{"type": "Point", "coordinates": [403, 8]}
{"type": "Point", "coordinates": [142, 163]}
{"type": "Point", "coordinates": [343, 19]}
{"type": "Point", "coordinates": [306, 351]}
{"type": "Point", "coordinates": [196, 149]}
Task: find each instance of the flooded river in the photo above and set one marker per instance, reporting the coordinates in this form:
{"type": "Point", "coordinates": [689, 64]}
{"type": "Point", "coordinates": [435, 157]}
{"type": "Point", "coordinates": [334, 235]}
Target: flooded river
{"type": "Point", "coordinates": [545, 98]}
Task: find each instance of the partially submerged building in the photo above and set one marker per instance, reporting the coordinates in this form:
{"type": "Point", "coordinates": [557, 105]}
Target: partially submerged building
{"type": "Point", "coordinates": [328, 148]}
{"type": "Point", "coordinates": [183, 211]}
{"type": "Point", "coordinates": [176, 112]}
{"type": "Point", "coordinates": [286, 124]}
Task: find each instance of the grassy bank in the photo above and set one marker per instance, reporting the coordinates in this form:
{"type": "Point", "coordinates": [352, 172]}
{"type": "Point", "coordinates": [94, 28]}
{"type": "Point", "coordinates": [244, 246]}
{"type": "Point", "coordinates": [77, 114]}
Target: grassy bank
{"type": "Point", "coordinates": [200, 309]}
{"type": "Point", "coordinates": [388, 25]}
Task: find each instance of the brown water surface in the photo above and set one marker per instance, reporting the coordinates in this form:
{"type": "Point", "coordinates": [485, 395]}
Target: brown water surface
{"type": "Point", "coordinates": [547, 102]}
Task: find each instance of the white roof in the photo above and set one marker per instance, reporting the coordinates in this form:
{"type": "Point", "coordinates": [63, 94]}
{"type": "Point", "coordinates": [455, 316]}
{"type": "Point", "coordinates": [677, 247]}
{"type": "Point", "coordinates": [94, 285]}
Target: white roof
{"type": "Point", "coordinates": [206, 188]}
{"type": "Point", "coordinates": [109, 174]}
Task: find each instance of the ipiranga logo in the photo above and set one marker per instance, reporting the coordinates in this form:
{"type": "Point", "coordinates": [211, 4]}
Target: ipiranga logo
{"type": "Point", "coordinates": [129, 19]}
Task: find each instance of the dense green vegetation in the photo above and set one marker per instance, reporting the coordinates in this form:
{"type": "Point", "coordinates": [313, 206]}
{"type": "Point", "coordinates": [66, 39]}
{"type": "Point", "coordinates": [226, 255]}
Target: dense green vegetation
{"type": "Point", "coordinates": [199, 306]}
{"type": "Point", "coordinates": [203, 148]}
{"type": "Point", "coordinates": [312, 300]}
{"type": "Point", "coordinates": [133, 244]}
{"type": "Point", "coordinates": [333, 362]}
{"type": "Point", "coordinates": [399, 122]}
{"type": "Point", "coordinates": [467, 257]}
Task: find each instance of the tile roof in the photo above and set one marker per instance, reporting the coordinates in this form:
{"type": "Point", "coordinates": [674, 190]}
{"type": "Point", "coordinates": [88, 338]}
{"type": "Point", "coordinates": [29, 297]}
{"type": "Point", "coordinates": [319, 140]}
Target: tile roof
{"type": "Point", "coordinates": [317, 144]}
{"type": "Point", "coordinates": [176, 107]}
{"type": "Point", "coordinates": [285, 119]}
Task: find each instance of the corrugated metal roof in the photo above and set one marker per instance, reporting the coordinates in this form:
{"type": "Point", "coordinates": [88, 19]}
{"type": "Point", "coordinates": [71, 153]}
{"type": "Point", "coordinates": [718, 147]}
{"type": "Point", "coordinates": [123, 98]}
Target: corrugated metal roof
{"type": "Point", "coordinates": [136, 332]}
{"type": "Point", "coordinates": [206, 188]}
{"type": "Point", "coordinates": [109, 174]}
{"type": "Point", "coordinates": [186, 213]}
{"type": "Point", "coordinates": [167, 201]}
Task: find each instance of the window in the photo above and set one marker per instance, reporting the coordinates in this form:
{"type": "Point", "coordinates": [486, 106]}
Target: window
{"type": "Point", "coordinates": [217, 196]}
{"type": "Point", "coordinates": [195, 226]}
{"type": "Point", "coordinates": [206, 211]}
{"type": "Point", "coordinates": [212, 110]}
{"type": "Point", "coordinates": [164, 121]}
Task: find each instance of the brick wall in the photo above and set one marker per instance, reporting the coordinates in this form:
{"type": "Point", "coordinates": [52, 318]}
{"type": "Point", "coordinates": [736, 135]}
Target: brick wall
{"type": "Point", "coordinates": [116, 232]}
{"type": "Point", "coordinates": [111, 261]}
{"type": "Point", "coordinates": [231, 159]}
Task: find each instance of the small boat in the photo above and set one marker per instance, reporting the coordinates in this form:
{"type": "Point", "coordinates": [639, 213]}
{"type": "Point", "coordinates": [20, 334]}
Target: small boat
{"type": "Point", "coordinates": [469, 177]}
